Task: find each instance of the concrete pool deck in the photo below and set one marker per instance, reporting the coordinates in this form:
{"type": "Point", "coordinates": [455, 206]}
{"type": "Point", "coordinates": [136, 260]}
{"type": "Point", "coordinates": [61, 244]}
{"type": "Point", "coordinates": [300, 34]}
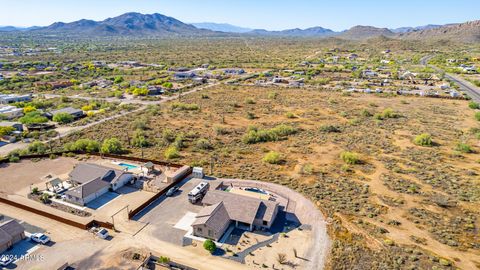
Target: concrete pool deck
{"type": "Point", "coordinates": [252, 194]}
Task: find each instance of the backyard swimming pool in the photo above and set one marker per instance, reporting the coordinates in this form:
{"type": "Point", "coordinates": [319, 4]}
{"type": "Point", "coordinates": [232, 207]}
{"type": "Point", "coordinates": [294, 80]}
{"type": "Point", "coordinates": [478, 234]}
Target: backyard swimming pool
{"type": "Point", "coordinates": [256, 190]}
{"type": "Point", "coordinates": [128, 166]}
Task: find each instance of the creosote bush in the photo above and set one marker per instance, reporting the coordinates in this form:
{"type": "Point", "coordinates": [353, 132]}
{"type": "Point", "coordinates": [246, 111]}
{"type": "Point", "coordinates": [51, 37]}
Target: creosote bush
{"type": "Point", "coordinates": [350, 158]}
{"type": "Point", "coordinates": [424, 139]}
{"type": "Point", "coordinates": [272, 157]}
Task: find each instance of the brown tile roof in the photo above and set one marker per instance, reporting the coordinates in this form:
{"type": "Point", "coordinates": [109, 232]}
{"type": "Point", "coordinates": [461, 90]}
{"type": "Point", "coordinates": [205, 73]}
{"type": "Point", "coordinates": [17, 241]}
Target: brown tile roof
{"type": "Point", "coordinates": [9, 229]}
{"type": "Point", "coordinates": [241, 208]}
{"type": "Point", "coordinates": [88, 188]}
{"type": "Point", "coordinates": [214, 216]}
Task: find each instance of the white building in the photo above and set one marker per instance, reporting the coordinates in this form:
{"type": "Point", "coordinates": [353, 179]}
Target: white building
{"type": "Point", "coordinates": [7, 99]}
{"type": "Point", "coordinates": [10, 111]}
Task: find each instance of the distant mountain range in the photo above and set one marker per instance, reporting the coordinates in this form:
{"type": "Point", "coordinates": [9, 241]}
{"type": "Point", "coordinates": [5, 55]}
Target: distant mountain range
{"type": "Point", "coordinates": [15, 28]}
{"type": "Point", "coordinates": [158, 25]}
{"type": "Point", "coordinates": [222, 27]}
{"type": "Point", "coordinates": [128, 24]}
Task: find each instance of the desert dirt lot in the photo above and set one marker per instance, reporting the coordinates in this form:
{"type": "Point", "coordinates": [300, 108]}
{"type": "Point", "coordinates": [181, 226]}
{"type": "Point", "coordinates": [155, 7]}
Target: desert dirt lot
{"type": "Point", "coordinates": [395, 187]}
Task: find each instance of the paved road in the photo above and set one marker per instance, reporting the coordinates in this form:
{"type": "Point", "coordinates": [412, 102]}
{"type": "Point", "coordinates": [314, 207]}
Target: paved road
{"type": "Point", "coordinates": [465, 86]}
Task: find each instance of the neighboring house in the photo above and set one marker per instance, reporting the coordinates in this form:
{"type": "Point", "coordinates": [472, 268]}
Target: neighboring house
{"type": "Point", "coordinates": [10, 112]}
{"type": "Point", "coordinates": [369, 73]}
{"type": "Point", "coordinates": [183, 75]}
{"type": "Point", "coordinates": [234, 71]}
{"type": "Point", "coordinates": [76, 113]}
{"type": "Point", "coordinates": [154, 90]}
{"type": "Point", "coordinates": [353, 56]}
{"type": "Point", "coordinates": [92, 181]}
{"type": "Point", "coordinates": [11, 232]}
{"type": "Point", "coordinates": [7, 99]}
{"type": "Point", "coordinates": [1, 77]}
{"type": "Point", "coordinates": [244, 212]}
{"type": "Point", "coordinates": [53, 85]}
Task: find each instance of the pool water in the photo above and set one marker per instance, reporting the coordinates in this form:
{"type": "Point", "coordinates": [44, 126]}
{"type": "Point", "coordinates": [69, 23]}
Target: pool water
{"type": "Point", "coordinates": [128, 166]}
{"type": "Point", "coordinates": [256, 190]}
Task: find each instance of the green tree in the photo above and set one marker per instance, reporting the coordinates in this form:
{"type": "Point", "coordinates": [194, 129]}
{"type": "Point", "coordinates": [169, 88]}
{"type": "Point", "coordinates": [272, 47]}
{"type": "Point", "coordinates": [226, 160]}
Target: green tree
{"type": "Point", "coordinates": [63, 118]}
{"type": "Point", "coordinates": [6, 131]}
{"type": "Point", "coordinates": [33, 118]}
{"type": "Point", "coordinates": [172, 152]}
{"type": "Point", "coordinates": [209, 245]}
{"type": "Point", "coordinates": [112, 146]}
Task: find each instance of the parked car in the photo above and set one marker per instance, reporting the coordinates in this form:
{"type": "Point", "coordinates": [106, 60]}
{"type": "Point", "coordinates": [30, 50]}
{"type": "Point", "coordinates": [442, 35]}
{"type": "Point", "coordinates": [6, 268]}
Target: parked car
{"type": "Point", "coordinates": [171, 191]}
{"type": "Point", "coordinates": [5, 260]}
{"type": "Point", "coordinates": [103, 233]}
{"type": "Point", "coordinates": [40, 238]}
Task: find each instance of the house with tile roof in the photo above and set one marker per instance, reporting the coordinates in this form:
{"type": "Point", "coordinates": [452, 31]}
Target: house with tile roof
{"type": "Point", "coordinates": [11, 232]}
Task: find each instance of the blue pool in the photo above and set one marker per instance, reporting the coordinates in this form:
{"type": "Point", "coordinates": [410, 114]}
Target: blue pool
{"type": "Point", "coordinates": [256, 190]}
{"type": "Point", "coordinates": [128, 166]}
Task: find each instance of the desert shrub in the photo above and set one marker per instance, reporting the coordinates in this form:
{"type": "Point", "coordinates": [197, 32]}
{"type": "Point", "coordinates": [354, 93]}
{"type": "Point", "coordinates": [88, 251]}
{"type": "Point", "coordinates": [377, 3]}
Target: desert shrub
{"type": "Point", "coordinates": [366, 113]}
{"type": "Point", "coordinates": [290, 115]}
{"type": "Point", "coordinates": [281, 258]}
{"type": "Point", "coordinates": [184, 106]}
{"type": "Point", "coordinates": [112, 146]}
{"type": "Point", "coordinates": [250, 101]}
{"type": "Point", "coordinates": [272, 157]}
{"type": "Point", "coordinates": [350, 157]}
{"type": "Point", "coordinates": [6, 131]}
{"type": "Point", "coordinates": [424, 139]}
{"type": "Point", "coordinates": [250, 116]}
{"type": "Point", "coordinates": [473, 105]}
{"type": "Point", "coordinates": [172, 152]}
{"type": "Point", "coordinates": [272, 95]}
{"type": "Point", "coordinates": [179, 141]}
{"type": "Point", "coordinates": [29, 108]}
{"type": "Point", "coordinates": [139, 91]}
{"type": "Point", "coordinates": [209, 245]}
{"type": "Point", "coordinates": [139, 139]}
{"type": "Point", "coordinates": [37, 148]}
{"type": "Point", "coordinates": [221, 130]}
{"type": "Point", "coordinates": [477, 116]}
{"type": "Point", "coordinates": [168, 136]}
{"type": "Point", "coordinates": [307, 169]}
{"type": "Point", "coordinates": [33, 118]}
{"type": "Point", "coordinates": [255, 135]}
{"type": "Point", "coordinates": [464, 148]}
{"type": "Point", "coordinates": [389, 113]}
{"type": "Point", "coordinates": [204, 144]}
{"type": "Point", "coordinates": [329, 128]}
{"type": "Point", "coordinates": [83, 145]}
{"type": "Point", "coordinates": [63, 118]}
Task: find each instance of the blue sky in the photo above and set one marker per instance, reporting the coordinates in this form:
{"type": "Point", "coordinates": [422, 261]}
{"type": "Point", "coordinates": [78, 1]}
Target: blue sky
{"type": "Point", "coordinates": [267, 14]}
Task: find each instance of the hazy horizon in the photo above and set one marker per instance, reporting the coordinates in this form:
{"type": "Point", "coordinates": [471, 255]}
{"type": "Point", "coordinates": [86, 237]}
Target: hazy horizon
{"type": "Point", "coordinates": [268, 14]}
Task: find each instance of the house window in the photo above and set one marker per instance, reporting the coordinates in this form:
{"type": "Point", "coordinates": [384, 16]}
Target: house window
{"type": "Point", "coordinates": [210, 233]}
{"type": "Point", "coordinates": [199, 230]}
{"type": "Point", "coordinates": [265, 223]}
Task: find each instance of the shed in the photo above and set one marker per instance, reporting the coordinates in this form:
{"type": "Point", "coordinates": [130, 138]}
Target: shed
{"type": "Point", "coordinates": [198, 172]}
